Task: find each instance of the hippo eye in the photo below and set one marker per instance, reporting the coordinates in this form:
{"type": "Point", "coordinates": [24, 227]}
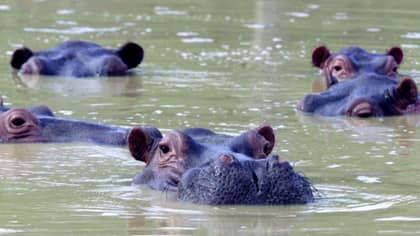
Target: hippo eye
{"type": "Point", "coordinates": [338, 68]}
{"type": "Point", "coordinates": [165, 149]}
{"type": "Point", "coordinates": [18, 121]}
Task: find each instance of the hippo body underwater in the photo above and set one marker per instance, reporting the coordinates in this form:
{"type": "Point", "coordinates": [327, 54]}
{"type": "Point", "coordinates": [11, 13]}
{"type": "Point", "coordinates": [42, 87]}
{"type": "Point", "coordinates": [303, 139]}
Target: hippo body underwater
{"type": "Point", "coordinates": [351, 62]}
{"type": "Point", "coordinates": [78, 59]}
{"type": "Point", "coordinates": [209, 172]}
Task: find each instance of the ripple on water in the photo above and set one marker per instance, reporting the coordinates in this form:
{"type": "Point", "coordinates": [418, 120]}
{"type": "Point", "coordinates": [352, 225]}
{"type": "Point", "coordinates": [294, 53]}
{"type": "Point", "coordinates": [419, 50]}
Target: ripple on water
{"type": "Point", "coordinates": [411, 35]}
{"type": "Point", "coordinates": [4, 7]}
{"type": "Point", "coordinates": [161, 11]}
{"type": "Point", "coordinates": [65, 12]}
{"type": "Point", "coordinates": [347, 199]}
{"type": "Point", "coordinates": [297, 14]}
{"type": "Point", "coordinates": [72, 30]}
{"type": "Point", "coordinates": [197, 40]}
{"type": "Point", "coordinates": [9, 231]}
{"type": "Point", "coordinates": [255, 26]}
{"type": "Point", "coordinates": [187, 34]}
{"type": "Point", "coordinates": [399, 219]}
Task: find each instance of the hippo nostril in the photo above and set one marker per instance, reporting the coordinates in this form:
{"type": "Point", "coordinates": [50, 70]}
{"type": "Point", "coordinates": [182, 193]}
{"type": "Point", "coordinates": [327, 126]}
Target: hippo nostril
{"type": "Point", "coordinates": [18, 121]}
{"type": "Point", "coordinates": [226, 159]}
{"type": "Point", "coordinates": [362, 109]}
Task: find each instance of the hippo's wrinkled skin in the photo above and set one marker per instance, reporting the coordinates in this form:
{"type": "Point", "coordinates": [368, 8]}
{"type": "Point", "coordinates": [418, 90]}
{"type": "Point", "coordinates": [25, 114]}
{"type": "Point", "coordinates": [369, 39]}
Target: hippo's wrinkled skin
{"type": "Point", "coordinates": [350, 62]}
{"type": "Point", "coordinates": [78, 59]}
{"type": "Point", "coordinates": [38, 124]}
{"type": "Point", "coordinates": [366, 96]}
{"type": "Point", "coordinates": [174, 161]}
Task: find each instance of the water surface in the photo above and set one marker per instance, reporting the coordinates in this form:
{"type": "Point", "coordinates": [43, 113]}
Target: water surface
{"type": "Point", "coordinates": [224, 65]}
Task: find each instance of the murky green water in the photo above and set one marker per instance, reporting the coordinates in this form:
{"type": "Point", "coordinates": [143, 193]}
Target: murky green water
{"type": "Point", "coordinates": [224, 65]}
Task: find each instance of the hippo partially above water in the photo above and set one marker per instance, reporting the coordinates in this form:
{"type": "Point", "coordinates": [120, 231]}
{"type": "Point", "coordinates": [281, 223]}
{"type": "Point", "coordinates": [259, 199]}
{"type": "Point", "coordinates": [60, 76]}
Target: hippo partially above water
{"type": "Point", "coordinates": [351, 62]}
{"type": "Point", "coordinates": [78, 59]}
{"type": "Point", "coordinates": [203, 167]}
{"type": "Point", "coordinates": [365, 96]}
{"type": "Point", "coordinates": [38, 124]}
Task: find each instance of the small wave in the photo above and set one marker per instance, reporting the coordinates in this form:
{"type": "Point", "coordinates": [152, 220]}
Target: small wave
{"type": "Point", "coordinates": [72, 30]}
{"type": "Point", "coordinates": [399, 218]}
{"type": "Point", "coordinates": [411, 35]}
{"type": "Point", "coordinates": [4, 7]}
{"type": "Point", "coordinates": [298, 14]}
{"type": "Point", "coordinates": [255, 26]}
{"type": "Point", "coordinates": [159, 10]}
{"type": "Point", "coordinates": [197, 40]}
{"type": "Point", "coordinates": [9, 231]}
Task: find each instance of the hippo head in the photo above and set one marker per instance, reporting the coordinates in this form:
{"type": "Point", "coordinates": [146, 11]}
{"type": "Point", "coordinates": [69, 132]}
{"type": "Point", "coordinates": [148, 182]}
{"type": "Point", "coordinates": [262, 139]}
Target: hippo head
{"type": "Point", "coordinates": [229, 180]}
{"type": "Point", "coordinates": [350, 62]}
{"type": "Point", "coordinates": [20, 126]}
{"type": "Point", "coordinates": [166, 158]}
{"type": "Point", "coordinates": [368, 95]}
{"type": "Point", "coordinates": [78, 59]}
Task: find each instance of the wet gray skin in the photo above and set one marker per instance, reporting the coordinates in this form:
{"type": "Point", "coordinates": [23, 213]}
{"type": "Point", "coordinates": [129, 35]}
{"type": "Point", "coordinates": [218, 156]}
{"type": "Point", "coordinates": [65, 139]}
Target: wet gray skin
{"type": "Point", "coordinates": [370, 95]}
{"type": "Point", "coordinates": [22, 126]}
{"type": "Point", "coordinates": [351, 62]}
{"type": "Point", "coordinates": [78, 59]}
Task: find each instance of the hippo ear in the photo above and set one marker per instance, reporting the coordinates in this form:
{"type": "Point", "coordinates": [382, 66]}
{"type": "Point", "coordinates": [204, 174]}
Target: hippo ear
{"type": "Point", "coordinates": [131, 54]}
{"type": "Point", "coordinates": [319, 56]}
{"type": "Point", "coordinates": [268, 133]}
{"type": "Point", "coordinates": [20, 56]}
{"type": "Point", "coordinates": [138, 144]}
{"type": "Point", "coordinates": [396, 53]}
{"type": "Point", "coordinates": [407, 90]}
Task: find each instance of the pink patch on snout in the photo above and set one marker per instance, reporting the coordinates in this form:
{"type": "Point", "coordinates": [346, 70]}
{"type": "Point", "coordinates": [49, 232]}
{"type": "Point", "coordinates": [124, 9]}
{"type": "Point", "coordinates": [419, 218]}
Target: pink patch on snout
{"type": "Point", "coordinates": [226, 159]}
{"type": "Point", "coordinates": [299, 105]}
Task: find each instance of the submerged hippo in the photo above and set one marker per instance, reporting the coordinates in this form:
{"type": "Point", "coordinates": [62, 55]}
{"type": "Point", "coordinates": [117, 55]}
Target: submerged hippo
{"type": "Point", "coordinates": [350, 62]}
{"type": "Point", "coordinates": [209, 171]}
{"type": "Point", "coordinates": [367, 95]}
{"type": "Point", "coordinates": [38, 124]}
{"type": "Point", "coordinates": [78, 59]}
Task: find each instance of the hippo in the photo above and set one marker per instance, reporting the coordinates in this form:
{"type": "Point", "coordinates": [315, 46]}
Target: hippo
{"type": "Point", "coordinates": [180, 160]}
{"type": "Point", "coordinates": [78, 59]}
{"type": "Point", "coordinates": [38, 124]}
{"type": "Point", "coordinates": [350, 62]}
{"type": "Point", "coordinates": [368, 95]}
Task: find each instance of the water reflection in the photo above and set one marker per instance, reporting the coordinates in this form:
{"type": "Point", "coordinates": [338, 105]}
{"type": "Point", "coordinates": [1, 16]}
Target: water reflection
{"type": "Point", "coordinates": [177, 219]}
{"type": "Point", "coordinates": [111, 86]}
{"type": "Point", "coordinates": [402, 129]}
